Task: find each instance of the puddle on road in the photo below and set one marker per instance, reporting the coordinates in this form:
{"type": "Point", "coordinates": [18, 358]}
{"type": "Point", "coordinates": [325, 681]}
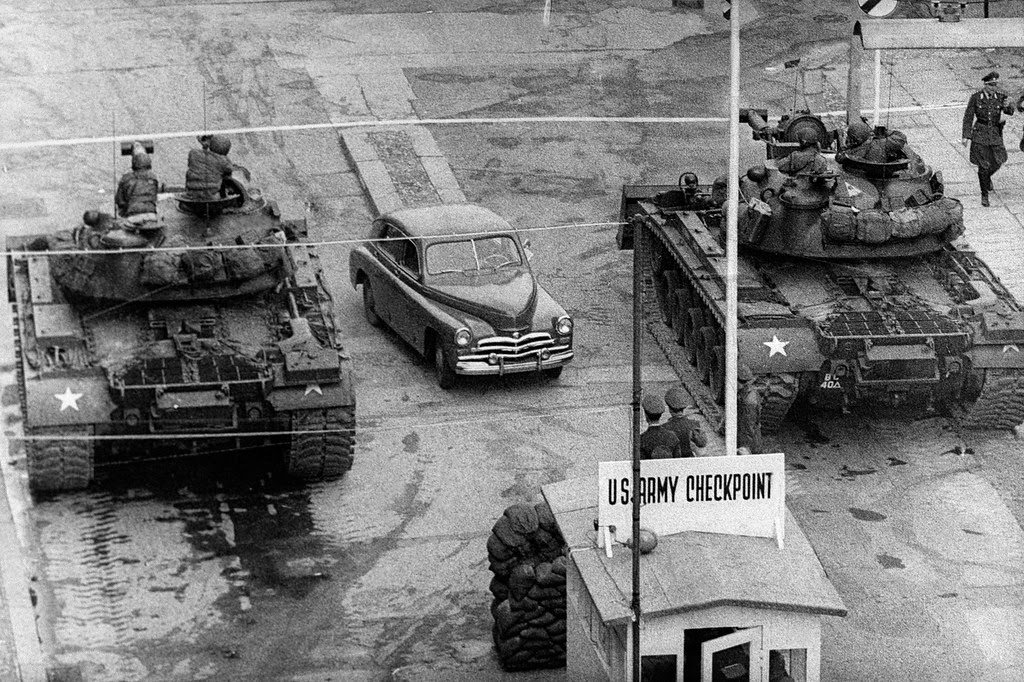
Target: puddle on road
{"type": "Point", "coordinates": [867, 515]}
{"type": "Point", "coordinates": [889, 561]}
{"type": "Point", "coordinates": [895, 462]}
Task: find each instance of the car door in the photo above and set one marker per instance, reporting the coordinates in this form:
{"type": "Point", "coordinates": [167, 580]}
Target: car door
{"type": "Point", "coordinates": [401, 262]}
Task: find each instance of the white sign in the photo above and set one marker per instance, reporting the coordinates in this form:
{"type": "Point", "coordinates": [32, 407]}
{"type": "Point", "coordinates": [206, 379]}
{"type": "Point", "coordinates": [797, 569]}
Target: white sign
{"type": "Point", "coordinates": [743, 495]}
{"type": "Point", "coordinates": [878, 8]}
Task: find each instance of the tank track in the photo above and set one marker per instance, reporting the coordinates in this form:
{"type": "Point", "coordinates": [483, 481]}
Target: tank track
{"type": "Point", "coordinates": [1001, 403]}
{"type": "Point", "coordinates": [778, 391]}
{"type": "Point", "coordinates": [58, 465]}
{"type": "Point", "coordinates": [328, 452]}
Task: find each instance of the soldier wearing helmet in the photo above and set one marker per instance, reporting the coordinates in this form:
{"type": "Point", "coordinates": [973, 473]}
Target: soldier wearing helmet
{"type": "Point", "coordinates": [874, 146]}
{"type": "Point", "coordinates": [208, 166]}
{"type": "Point", "coordinates": [657, 436]}
{"type": "Point", "coordinates": [137, 191]}
{"type": "Point", "coordinates": [807, 159]}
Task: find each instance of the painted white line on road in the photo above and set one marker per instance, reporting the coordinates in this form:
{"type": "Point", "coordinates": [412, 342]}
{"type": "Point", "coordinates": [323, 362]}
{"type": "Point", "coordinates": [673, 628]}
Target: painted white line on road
{"type": "Point", "coordinates": [70, 142]}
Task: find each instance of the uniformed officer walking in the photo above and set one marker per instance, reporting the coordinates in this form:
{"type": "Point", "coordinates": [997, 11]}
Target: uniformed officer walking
{"type": "Point", "coordinates": [983, 128]}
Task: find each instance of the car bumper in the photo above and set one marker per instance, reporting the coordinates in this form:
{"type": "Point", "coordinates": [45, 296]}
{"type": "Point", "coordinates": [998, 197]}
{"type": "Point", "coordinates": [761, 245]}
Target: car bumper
{"type": "Point", "coordinates": [475, 367]}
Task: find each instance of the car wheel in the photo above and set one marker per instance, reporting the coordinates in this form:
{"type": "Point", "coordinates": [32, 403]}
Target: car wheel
{"type": "Point", "coordinates": [443, 368]}
{"type": "Point", "coordinates": [368, 306]}
{"type": "Point", "coordinates": [553, 373]}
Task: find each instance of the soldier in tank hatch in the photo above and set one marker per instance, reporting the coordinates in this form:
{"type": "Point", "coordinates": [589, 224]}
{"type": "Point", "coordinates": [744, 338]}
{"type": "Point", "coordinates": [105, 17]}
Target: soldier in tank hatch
{"type": "Point", "coordinates": [983, 128]}
{"type": "Point", "coordinates": [137, 191]}
{"type": "Point", "coordinates": [208, 166]}
{"type": "Point", "coordinates": [807, 159]}
{"type": "Point", "coordinates": [656, 436]}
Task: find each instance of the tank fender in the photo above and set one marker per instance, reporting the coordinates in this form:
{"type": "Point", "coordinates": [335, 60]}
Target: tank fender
{"type": "Point", "coordinates": [777, 350]}
{"type": "Point", "coordinates": [68, 401]}
{"type": "Point", "coordinates": [312, 395]}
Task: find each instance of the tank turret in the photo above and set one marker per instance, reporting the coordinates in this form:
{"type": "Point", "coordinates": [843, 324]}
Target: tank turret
{"type": "Point", "coordinates": [194, 247]}
{"type": "Point", "coordinates": [814, 197]}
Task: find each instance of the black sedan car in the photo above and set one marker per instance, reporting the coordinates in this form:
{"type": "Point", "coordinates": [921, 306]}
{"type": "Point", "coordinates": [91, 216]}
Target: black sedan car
{"type": "Point", "coordinates": [455, 282]}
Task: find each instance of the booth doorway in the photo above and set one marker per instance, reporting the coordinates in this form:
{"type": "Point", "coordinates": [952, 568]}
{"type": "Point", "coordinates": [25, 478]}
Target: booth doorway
{"type": "Point", "coordinates": [735, 657]}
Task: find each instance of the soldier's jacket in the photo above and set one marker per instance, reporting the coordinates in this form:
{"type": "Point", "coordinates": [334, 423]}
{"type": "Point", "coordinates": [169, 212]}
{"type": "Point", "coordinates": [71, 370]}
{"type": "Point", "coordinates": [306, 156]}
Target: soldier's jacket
{"type": "Point", "coordinates": [688, 432]}
{"type": "Point", "coordinates": [655, 436]}
{"type": "Point", "coordinates": [206, 170]}
{"type": "Point", "coordinates": [983, 117]}
{"type": "Point", "coordinates": [137, 193]}
{"type": "Point", "coordinates": [807, 160]}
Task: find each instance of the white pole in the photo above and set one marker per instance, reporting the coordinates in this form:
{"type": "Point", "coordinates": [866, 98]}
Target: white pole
{"type": "Point", "coordinates": [878, 83]}
{"type": "Point", "coordinates": [732, 231]}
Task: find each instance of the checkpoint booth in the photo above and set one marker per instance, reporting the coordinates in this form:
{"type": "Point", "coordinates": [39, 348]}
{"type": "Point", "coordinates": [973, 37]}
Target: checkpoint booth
{"type": "Point", "coordinates": [738, 594]}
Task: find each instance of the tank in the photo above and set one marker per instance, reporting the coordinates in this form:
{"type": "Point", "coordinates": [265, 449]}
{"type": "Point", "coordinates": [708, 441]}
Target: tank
{"type": "Point", "coordinates": [850, 285]}
{"type": "Point", "coordinates": [204, 328]}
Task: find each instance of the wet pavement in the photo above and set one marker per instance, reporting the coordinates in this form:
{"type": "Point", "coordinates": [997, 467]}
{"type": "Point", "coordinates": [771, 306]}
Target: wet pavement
{"type": "Point", "coordinates": [190, 570]}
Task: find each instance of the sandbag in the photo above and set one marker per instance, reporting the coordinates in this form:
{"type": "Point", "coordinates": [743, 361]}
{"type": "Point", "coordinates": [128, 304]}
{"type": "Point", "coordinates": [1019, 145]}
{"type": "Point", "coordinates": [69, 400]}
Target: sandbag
{"type": "Point", "coordinates": [522, 518]}
{"type": "Point", "coordinates": [907, 223]}
{"type": "Point", "coordinates": [839, 226]}
{"type": "Point", "coordinates": [243, 264]}
{"type": "Point", "coordinates": [203, 266]}
{"type": "Point", "coordinates": [874, 227]}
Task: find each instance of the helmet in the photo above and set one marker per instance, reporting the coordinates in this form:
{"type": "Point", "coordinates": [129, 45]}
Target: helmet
{"type": "Point", "coordinates": [806, 138]}
{"type": "Point", "coordinates": [141, 161]}
{"type": "Point", "coordinates": [743, 373]}
{"type": "Point", "coordinates": [857, 133]}
{"type": "Point", "coordinates": [220, 144]}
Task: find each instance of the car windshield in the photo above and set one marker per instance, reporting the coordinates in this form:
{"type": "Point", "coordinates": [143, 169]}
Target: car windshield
{"type": "Point", "coordinates": [471, 255]}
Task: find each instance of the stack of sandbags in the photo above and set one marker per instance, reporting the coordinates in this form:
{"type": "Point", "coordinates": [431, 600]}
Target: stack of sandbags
{"type": "Point", "coordinates": [527, 557]}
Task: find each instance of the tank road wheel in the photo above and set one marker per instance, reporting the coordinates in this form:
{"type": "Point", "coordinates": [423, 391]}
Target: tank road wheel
{"type": "Point", "coordinates": [326, 451]}
{"type": "Point", "coordinates": [672, 281]}
{"type": "Point", "coordinates": [369, 306]}
{"type": "Point", "coordinates": [778, 391]}
{"type": "Point", "coordinates": [694, 321]}
{"type": "Point", "coordinates": [716, 373]}
{"type": "Point", "coordinates": [443, 369]}
{"type": "Point", "coordinates": [706, 347]}
{"type": "Point", "coordinates": [1001, 403]}
{"type": "Point", "coordinates": [55, 465]}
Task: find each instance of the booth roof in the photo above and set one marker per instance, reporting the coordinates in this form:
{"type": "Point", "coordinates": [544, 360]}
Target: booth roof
{"type": "Point", "coordinates": [692, 571]}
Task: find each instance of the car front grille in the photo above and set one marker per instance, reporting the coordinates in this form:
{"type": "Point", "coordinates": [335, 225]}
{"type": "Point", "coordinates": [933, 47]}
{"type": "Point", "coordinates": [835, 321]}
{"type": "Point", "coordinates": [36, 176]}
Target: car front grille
{"type": "Point", "coordinates": [525, 347]}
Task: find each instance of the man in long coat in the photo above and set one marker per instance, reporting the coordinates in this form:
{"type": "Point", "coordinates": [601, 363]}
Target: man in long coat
{"type": "Point", "coordinates": [983, 128]}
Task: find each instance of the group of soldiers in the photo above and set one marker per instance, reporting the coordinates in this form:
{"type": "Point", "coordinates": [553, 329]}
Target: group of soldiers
{"type": "Point", "coordinates": [682, 436]}
{"type": "Point", "coordinates": [208, 166]}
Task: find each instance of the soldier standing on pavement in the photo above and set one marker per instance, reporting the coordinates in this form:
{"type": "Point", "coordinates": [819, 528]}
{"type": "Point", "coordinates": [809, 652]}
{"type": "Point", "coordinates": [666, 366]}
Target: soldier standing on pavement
{"type": "Point", "coordinates": [748, 411]}
{"type": "Point", "coordinates": [657, 439]}
{"type": "Point", "coordinates": [686, 429]}
{"type": "Point", "coordinates": [983, 128]}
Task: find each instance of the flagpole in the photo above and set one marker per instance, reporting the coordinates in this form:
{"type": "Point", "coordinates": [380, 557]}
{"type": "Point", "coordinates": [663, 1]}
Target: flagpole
{"type": "Point", "coordinates": [732, 232]}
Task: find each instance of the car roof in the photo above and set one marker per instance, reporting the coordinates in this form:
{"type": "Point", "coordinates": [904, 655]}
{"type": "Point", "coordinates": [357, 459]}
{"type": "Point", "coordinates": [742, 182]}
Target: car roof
{"type": "Point", "coordinates": [447, 219]}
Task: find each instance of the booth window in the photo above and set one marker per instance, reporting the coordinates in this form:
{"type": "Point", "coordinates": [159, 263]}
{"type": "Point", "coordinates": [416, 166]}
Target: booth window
{"type": "Point", "coordinates": [787, 665]}
{"type": "Point", "coordinates": [658, 668]}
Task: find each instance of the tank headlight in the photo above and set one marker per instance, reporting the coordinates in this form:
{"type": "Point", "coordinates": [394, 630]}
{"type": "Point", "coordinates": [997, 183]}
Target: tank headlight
{"type": "Point", "coordinates": [463, 337]}
{"type": "Point", "coordinates": [132, 417]}
{"type": "Point", "coordinates": [953, 366]}
{"type": "Point", "coordinates": [840, 370]}
{"type": "Point", "coordinates": [254, 413]}
{"type": "Point", "coordinates": [564, 325]}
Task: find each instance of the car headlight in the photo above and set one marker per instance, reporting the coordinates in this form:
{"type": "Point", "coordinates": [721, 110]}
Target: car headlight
{"type": "Point", "coordinates": [564, 325]}
{"type": "Point", "coordinates": [462, 337]}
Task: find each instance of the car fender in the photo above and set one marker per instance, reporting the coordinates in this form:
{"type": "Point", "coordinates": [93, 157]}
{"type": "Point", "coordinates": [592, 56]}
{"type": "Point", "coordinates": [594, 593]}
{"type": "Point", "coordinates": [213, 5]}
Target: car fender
{"type": "Point", "coordinates": [359, 261]}
{"type": "Point", "coordinates": [546, 311]}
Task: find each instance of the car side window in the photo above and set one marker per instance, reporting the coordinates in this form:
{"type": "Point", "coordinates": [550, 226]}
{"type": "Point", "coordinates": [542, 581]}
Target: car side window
{"type": "Point", "coordinates": [401, 249]}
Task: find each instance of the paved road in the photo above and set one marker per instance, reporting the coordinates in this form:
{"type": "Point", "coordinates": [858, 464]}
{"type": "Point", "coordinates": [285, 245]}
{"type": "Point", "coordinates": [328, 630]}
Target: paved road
{"type": "Point", "coordinates": [226, 574]}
